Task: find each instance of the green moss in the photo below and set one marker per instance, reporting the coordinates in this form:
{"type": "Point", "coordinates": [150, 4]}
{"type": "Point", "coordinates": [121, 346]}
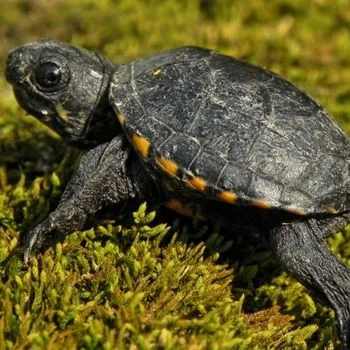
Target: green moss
{"type": "Point", "coordinates": [117, 286]}
{"type": "Point", "coordinates": [146, 284]}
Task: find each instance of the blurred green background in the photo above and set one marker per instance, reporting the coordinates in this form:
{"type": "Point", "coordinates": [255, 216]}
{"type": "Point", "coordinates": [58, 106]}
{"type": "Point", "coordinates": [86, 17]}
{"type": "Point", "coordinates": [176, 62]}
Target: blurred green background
{"type": "Point", "coordinates": [306, 41]}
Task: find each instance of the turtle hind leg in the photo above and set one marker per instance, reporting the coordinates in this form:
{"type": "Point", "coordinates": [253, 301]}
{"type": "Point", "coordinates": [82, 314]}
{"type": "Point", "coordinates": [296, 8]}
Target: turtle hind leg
{"type": "Point", "coordinates": [300, 247]}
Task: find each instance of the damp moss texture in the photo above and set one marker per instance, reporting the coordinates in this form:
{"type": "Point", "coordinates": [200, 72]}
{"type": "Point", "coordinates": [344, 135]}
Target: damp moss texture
{"type": "Point", "coordinates": [145, 279]}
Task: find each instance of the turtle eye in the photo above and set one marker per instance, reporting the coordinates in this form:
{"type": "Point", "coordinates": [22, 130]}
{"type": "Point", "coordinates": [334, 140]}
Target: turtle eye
{"type": "Point", "coordinates": [47, 75]}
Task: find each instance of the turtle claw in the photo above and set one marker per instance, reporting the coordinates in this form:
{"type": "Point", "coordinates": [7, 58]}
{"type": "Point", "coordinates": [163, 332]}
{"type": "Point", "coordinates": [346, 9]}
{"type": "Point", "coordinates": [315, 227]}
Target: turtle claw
{"type": "Point", "coordinates": [53, 229]}
{"type": "Point", "coordinates": [31, 241]}
{"type": "Point", "coordinates": [26, 255]}
{"type": "Point", "coordinates": [37, 237]}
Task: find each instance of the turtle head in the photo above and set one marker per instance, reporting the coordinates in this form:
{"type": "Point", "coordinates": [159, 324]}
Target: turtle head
{"type": "Point", "coordinates": [64, 87]}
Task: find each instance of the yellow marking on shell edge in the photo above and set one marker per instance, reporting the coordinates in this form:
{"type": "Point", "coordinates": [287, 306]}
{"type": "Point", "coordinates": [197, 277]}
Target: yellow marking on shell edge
{"type": "Point", "coordinates": [141, 144]}
{"type": "Point", "coordinates": [198, 183]}
{"type": "Point", "coordinates": [261, 203]}
{"type": "Point", "coordinates": [296, 211]}
{"type": "Point", "coordinates": [121, 118]}
{"type": "Point", "coordinates": [156, 73]}
{"type": "Point", "coordinates": [332, 210]}
{"type": "Point", "coordinates": [168, 165]}
{"type": "Point", "coordinates": [227, 196]}
{"type": "Point", "coordinates": [177, 206]}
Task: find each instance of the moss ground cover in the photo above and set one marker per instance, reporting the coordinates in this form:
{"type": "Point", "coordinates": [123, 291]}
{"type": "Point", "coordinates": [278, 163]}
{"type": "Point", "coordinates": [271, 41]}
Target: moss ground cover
{"type": "Point", "coordinates": [146, 282]}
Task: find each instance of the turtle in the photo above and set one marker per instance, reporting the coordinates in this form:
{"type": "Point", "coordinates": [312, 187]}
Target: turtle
{"type": "Point", "coordinates": [204, 134]}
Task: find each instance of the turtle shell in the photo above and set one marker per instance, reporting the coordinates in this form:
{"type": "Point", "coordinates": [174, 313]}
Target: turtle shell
{"type": "Point", "coordinates": [230, 131]}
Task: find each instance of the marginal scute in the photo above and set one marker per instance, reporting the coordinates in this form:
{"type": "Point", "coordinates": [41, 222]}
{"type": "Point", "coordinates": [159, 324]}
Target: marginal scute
{"type": "Point", "coordinates": [296, 211]}
{"type": "Point", "coordinates": [190, 209]}
{"type": "Point", "coordinates": [168, 165]}
{"type": "Point", "coordinates": [141, 144]}
{"type": "Point", "coordinates": [121, 118]}
{"type": "Point", "coordinates": [198, 183]}
{"type": "Point", "coordinates": [332, 210]}
{"type": "Point", "coordinates": [179, 207]}
{"type": "Point", "coordinates": [227, 196]}
{"type": "Point", "coordinates": [261, 203]}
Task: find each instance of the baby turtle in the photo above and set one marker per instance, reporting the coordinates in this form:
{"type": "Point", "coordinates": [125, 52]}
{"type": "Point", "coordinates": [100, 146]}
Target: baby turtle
{"type": "Point", "coordinates": [204, 134]}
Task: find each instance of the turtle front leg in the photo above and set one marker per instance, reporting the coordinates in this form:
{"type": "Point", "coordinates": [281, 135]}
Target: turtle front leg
{"type": "Point", "coordinates": [301, 249]}
{"type": "Point", "coordinates": [106, 175]}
